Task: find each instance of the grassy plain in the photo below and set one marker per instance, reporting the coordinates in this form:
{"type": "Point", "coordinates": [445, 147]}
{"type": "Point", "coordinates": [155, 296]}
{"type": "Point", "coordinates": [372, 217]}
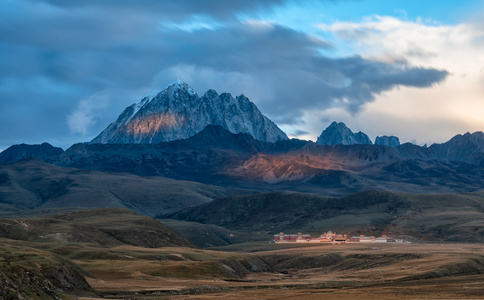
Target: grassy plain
{"type": "Point", "coordinates": [117, 254]}
{"type": "Point", "coordinates": [351, 271]}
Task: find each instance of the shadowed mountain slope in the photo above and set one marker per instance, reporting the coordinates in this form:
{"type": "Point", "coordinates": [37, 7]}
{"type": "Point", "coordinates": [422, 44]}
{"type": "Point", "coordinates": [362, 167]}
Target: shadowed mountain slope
{"type": "Point", "coordinates": [216, 156]}
{"type": "Point", "coordinates": [15, 153]}
{"type": "Point", "coordinates": [444, 217]}
{"type": "Point", "coordinates": [219, 157]}
{"type": "Point", "coordinates": [35, 185]}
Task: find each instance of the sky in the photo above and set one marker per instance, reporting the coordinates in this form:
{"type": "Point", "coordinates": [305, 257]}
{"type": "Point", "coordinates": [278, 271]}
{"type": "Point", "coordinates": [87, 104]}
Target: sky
{"type": "Point", "coordinates": [413, 69]}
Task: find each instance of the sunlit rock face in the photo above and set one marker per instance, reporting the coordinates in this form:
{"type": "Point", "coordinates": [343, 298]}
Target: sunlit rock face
{"type": "Point", "coordinates": [177, 112]}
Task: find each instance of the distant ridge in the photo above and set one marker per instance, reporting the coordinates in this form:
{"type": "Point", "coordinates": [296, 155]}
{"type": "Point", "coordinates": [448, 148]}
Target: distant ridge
{"type": "Point", "coordinates": [339, 134]}
{"type": "Point", "coordinates": [216, 156]}
{"type": "Point", "coordinates": [391, 141]}
{"type": "Point", "coordinates": [15, 153]}
{"type": "Point", "coordinates": [177, 113]}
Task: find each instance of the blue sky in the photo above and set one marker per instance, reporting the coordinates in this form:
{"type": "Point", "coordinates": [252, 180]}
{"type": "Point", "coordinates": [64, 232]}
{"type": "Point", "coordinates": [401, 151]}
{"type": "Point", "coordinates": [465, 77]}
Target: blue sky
{"type": "Point", "coordinates": [304, 15]}
{"type": "Point", "coordinates": [448, 12]}
{"type": "Point", "coordinates": [414, 69]}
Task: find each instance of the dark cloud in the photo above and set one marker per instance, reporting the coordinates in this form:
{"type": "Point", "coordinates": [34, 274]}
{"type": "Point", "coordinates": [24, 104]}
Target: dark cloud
{"type": "Point", "coordinates": [175, 10]}
{"type": "Point", "coordinates": [87, 60]}
{"type": "Point", "coordinates": [291, 65]}
{"type": "Point", "coordinates": [298, 133]}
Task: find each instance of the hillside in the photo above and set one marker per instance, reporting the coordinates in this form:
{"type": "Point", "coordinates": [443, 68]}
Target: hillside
{"type": "Point", "coordinates": [65, 256]}
{"type": "Point", "coordinates": [35, 185]}
{"type": "Point", "coordinates": [106, 227]}
{"type": "Point", "coordinates": [209, 235]}
{"type": "Point", "coordinates": [38, 255]}
{"type": "Point", "coordinates": [290, 211]}
{"type": "Point", "coordinates": [28, 273]}
{"type": "Point", "coordinates": [445, 217]}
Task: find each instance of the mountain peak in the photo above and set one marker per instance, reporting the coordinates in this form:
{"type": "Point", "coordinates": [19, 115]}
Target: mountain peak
{"type": "Point", "coordinates": [177, 112]}
{"type": "Point", "coordinates": [338, 125]}
{"type": "Point", "coordinates": [340, 134]}
{"type": "Point", "coordinates": [391, 141]}
{"type": "Point", "coordinates": [171, 88]}
{"type": "Point", "coordinates": [178, 85]}
{"type": "Point", "coordinates": [178, 81]}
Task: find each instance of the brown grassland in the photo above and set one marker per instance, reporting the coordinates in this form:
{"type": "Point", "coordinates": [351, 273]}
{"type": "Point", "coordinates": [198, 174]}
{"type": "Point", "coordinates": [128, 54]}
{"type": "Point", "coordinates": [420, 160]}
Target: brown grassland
{"type": "Point", "coordinates": [350, 271]}
{"type": "Point", "coordinates": [117, 254]}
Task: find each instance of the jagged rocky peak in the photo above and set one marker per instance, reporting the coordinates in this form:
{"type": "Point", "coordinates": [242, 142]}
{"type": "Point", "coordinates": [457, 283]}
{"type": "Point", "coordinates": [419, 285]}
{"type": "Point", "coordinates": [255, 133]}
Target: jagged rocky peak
{"type": "Point", "coordinates": [340, 134]}
{"type": "Point", "coordinates": [178, 86]}
{"type": "Point", "coordinates": [177, 112]}
{"type": "Point", "coordinates": [385, 140]}
{"type": "Point", "coordinates": [172, 89]}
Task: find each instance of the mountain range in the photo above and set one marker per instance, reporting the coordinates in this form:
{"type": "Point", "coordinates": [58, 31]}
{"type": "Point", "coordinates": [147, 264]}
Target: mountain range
{"type": "Point", "coordinates": [340, 134]}
{"type": "Point", "coordinates": [230, 167]}
{"type": "Point", "coordinates": [226, 141]}
{"type": "Point", "coordinates": [217, 156]}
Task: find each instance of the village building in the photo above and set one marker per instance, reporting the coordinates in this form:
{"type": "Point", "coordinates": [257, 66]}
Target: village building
{"type": "Point", "coordinates": [330, 237]}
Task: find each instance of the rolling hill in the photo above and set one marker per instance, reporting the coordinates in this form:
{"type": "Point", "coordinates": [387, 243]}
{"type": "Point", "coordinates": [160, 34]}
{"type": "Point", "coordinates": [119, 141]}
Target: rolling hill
{"type": "Point", "coordinates": [433, 217]}
{"type": "Point", "coordinates": [105, 227]}
{"type": "Point", "coordinates": [32, 185]}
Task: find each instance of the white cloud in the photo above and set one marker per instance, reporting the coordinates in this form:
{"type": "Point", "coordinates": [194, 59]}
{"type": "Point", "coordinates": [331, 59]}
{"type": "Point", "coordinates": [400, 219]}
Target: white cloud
{"type": "Point", "coordinates": [83, 117]}
{"type": "Point", "coordinates": [419, 42]}
{"type": "Point", "coordinates": [201, 79]}
{"type": "Point", "coordinates": [427, 115]}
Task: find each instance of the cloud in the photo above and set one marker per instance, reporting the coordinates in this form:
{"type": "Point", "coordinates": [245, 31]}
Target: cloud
{"type": "Point", "coordinates": [114, 50]}
{"type": "Point", "coordinates": [426, 115]}
{"type": "Point", "coordinates": [425, 43]}
{"type": "Point", "coordinates": [286, 69]}
{"type": "Point", "coordinates": [298, 133]}
{"type": "Point", "coordinates": [84, 115]}
{"type": "Point", "coordinates": [174, 10]}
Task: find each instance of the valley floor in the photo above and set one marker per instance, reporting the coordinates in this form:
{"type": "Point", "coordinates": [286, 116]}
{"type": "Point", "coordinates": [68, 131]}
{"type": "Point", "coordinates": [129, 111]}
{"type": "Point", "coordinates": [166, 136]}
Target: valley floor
{"type": "Point", "coordinates": [404, 271]}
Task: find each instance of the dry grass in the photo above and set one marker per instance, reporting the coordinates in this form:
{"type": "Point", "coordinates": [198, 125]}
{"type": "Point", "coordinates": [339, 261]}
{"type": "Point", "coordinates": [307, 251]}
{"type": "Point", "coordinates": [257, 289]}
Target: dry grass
{"type": "Point", "coordinates": [268, 271]}
{"type": "Point", "coordinates": [387, 271]}
{"type": "Point", "coordinates": [351, 271]}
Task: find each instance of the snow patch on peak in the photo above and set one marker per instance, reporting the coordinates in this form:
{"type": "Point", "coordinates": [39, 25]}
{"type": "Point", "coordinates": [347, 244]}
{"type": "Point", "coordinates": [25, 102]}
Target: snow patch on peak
{"type": "Point", "coordinates": [180, 84]}
{"type": "Point", "coordinates": [177, 83]}
{"type": "Point", "coordinates": [191, 92]}
{"type": "Point", "coordinates": [151, 94]}
{"type": "Point", "coordinates": [139, 105]}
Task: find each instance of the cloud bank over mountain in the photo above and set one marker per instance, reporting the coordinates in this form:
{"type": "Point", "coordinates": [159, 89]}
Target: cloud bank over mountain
{"type": "Point", "coordinates": [69, 67]}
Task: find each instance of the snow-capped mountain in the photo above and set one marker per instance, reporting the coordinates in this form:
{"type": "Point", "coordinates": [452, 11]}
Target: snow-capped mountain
{"type": "Point", "coordinates": [177, 112]}
{"type": "Point", "coordinates": [339, 134]}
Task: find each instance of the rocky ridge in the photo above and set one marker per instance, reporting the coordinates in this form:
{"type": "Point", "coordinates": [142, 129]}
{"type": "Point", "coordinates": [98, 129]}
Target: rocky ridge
{"type": "Point", "coordinates": [177, 113]}
{"type": "Point", "coordinates": [391, 141]}
{"type": "Point", "coordinates": [339, 134]}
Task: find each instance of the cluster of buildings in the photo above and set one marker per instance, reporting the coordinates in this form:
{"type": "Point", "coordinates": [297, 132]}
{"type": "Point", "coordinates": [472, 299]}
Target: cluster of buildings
{"type": "Point", "coordinates": [331, 237]}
